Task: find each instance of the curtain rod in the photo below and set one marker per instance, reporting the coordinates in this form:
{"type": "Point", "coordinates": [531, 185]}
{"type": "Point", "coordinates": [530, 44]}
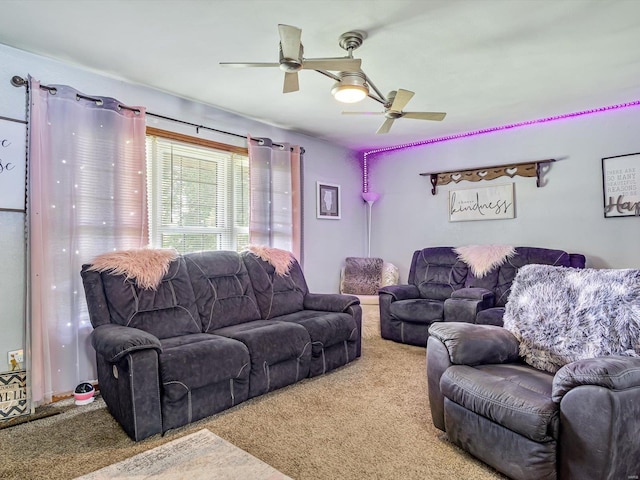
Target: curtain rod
{"type": "Point", "coordinates": [18, 81]}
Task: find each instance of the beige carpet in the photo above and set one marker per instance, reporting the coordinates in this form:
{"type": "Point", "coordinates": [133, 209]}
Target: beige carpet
{"type": "Point", "coordinates": [367, 420]}
{"type": "Point", "coordinates": [198, 456]}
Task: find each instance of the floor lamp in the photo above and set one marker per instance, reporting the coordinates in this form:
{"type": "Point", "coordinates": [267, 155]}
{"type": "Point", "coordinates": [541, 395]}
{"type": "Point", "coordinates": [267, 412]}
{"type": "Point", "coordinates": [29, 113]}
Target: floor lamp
{"type": "Point", "coordinates": [370, 198]}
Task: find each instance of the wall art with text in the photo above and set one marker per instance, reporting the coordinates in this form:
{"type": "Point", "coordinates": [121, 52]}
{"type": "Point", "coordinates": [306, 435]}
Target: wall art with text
{"type": "Point", "coordinates": [486, 203]}
{"type": "Point", "coordinates": [621, 185]}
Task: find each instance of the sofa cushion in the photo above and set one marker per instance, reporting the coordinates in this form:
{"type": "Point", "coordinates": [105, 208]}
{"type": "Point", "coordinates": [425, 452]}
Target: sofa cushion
{"type": "Point", "coordinates": [417, 310]}
{"type": "Point", "coordinates": [276, 294]}
{"type": "Point", "coordinates": [499, 280]}
{"type": "Point", "coordinates": [437, 272]}
{"type": "Point", "coordinates": [168, 311]}
{"type": "Point", "coordinates": [270, 345]}
{"type": "Point", "coordinates": [222, 288]}
{"type": "Point", "coordinates": [526, 256]}
{"type": "Point", "coordinates": [194, 361]}
{"type": "Point", "coordinates": [515, 396]}
{"type": "Point", "coordinates": [325, 328]}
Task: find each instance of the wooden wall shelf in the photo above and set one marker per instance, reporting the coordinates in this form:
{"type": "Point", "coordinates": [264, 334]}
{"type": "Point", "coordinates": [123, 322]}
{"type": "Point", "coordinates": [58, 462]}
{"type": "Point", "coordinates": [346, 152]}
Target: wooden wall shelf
{"type": "Point", "coordinates": [526, 169]}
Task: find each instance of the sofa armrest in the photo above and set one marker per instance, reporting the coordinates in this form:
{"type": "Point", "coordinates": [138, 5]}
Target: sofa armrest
{"type": "Point", "coordinates": [329, 302]}
{"type": "Point", "coordinates": [400, 292]}
{"type": "Point", "coordinates": [615, 372]}
{"type": "Point", "coordinates": [464, 304]}
{"type": "Point", "coordinates": [470, 344]}
{"type": "Point", "coordinates": [474, 293]}
{"type": "Point", "coordinates": [115, 341]}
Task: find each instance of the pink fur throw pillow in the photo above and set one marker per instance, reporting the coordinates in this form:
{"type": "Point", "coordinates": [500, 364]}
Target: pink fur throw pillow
{"type": "Point", "coordinates": [147, 266]}
{"type": "Point", "coordinates": [484, 258]}
{"type": "Point", "coordinates": [279, 259]}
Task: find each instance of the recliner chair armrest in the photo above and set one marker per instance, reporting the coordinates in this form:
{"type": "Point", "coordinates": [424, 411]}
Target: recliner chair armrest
{"type": "Point", "coordinates": [329, 302]}
{"type": "Point", "coordinates": [471, 344]}
{"type": "Point", "coordinates": [475, 293]}
{"type": "Point", "coordinates": [615, 372]}
{"type": "Point", "coordinates": [464, 304]}
{"type": "Point", "coordinates": [400, 292]}
{"type": "Point", "coordinates": [115, 341]}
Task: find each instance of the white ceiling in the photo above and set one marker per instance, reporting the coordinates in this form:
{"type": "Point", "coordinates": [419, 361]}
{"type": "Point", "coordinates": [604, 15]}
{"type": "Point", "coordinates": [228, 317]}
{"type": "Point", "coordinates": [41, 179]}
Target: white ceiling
{"type": "Point", "coordinates": [484, 62]}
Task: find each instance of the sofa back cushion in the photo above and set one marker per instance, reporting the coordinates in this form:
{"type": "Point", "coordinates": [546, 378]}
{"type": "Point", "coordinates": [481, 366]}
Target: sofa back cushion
{"type": "Point", "coordinates": [168, 311]}
{"type": "Point", "coordinates": [222, 288]}
{"type": "Point", "coordinates": [437, 272]}
{"type": "Point", "coordinates": [276, 294]}
{"type": "Point", "coordinates": [499, 280]}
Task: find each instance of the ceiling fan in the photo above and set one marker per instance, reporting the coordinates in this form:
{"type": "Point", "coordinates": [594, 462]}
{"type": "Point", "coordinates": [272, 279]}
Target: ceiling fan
{"type": "Point", "coordinates": [354, 85]}
{"type": "Point", "coordinates": [393, 109]}
{"type": "Point", "coordinates": [292, 60]}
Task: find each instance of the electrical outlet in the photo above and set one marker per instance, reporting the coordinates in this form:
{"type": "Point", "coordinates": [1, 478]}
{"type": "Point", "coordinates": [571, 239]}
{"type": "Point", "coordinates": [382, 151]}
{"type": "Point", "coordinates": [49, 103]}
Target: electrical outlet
{"type": "Point", "coordinates": [15, 356]}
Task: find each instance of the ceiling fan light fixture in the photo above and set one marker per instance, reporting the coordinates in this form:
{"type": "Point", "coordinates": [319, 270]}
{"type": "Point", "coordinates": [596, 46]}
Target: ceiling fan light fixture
{"type": "Point", "coordinates": [351, 88]}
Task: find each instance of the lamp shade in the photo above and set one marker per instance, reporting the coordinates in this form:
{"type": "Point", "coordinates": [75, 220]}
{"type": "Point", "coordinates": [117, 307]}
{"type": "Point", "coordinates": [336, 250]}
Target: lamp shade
{"type": "Point", "coordinates": [370, 197]}
{"type": "Point", "coordinates": [351, 88]}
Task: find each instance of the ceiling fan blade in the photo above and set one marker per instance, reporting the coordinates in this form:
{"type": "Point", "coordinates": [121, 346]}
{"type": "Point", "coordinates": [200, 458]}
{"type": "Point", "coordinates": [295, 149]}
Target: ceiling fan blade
{"type": "Point", "coordinates": [437, 116]}
{"type": "Point", "coordinates": [386, 126]}
{"type": "Point", "coordinates": [401, 99]}
{"type": "Point", "coordinates": [290, 83]}
{"type": "Point", "coordinates": [290, 41]}
{"type": "Point", "coordinates": [241, 65]}
{"type": "Point", "coordinates": [362, 113]}
{"type": "Point", "coordinates": [340, 64]}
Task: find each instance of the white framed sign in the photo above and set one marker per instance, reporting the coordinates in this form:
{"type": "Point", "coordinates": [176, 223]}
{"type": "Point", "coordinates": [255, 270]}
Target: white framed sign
{"type": "Point", "coordinates": [485, 203]}
{"type": "Point", "coordinates": [13, 151]}
{"type": "Point", "coordinates": [621, 185]}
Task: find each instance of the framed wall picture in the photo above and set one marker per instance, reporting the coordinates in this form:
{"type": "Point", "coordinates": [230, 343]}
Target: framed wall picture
{"type": "Point", "coordinates": [621, 185]}
{"type": "Point", "coordinates": [328, 203]}
{"type": "Point", "coordinates": [486, 203]}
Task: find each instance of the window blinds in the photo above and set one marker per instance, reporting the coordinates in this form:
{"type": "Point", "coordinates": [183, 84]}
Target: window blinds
{"type": "Point", "coordinates": [200, 196]}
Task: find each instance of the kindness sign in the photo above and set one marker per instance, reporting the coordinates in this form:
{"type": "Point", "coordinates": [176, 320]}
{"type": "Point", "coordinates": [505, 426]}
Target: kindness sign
{"type": "Point", "coordinates": [487, 203]}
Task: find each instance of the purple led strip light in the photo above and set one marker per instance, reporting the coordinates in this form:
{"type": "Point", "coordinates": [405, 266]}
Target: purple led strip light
{"type": "Point", "coordinates": [365, 169]}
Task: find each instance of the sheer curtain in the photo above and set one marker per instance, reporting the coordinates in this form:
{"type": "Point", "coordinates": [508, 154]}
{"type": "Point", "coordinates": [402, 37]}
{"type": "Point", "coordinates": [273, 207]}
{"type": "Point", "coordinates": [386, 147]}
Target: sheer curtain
{"type": "Point", "coordinates": [86, 196]}
{"type": "Point", "coordinates": [275, 176]}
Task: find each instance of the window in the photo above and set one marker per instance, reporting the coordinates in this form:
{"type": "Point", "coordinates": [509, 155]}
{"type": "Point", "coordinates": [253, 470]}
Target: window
{"type": "Point", "coordinates": [198, 193]}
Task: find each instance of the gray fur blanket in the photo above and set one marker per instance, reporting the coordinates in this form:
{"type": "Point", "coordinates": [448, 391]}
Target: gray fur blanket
{"type": "Point", "coordinates": [561, 315]}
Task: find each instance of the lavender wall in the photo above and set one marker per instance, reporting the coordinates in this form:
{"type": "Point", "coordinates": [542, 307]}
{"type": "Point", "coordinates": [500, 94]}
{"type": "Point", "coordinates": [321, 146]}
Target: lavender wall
{"type": "Point", "coordinates": [566, 213]}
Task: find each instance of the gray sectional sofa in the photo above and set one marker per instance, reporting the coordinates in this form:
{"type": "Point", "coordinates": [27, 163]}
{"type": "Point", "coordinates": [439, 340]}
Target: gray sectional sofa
{"type": "Point", "coordinates": [221, 328]}
{"type": "Point", "coordinates": [441, 287]}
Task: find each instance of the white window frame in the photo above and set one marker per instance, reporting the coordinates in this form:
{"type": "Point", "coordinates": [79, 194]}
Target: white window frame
{"type": "Point", "coordinates": [229, 231]}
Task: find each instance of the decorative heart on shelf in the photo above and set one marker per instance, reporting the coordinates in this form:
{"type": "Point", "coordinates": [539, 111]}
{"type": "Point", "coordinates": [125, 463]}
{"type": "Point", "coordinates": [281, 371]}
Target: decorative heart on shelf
{"type": "Point", "coordinates": [511, 171]}
{"type": "Point", "coordinates": [456, 177]}
{"type": "Point", "coordinates": [483, 173]}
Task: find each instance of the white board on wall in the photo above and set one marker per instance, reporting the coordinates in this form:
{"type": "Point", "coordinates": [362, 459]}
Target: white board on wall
{"type": "Point", "coordinates": [13, 143]}
{"type": "Point", "coordinates": [483, 203]}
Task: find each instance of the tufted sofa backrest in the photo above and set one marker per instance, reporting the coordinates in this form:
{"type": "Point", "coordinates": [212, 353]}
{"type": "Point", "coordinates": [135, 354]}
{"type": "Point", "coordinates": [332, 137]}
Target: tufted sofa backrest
{"type": "Point", "coordinates": [168, 311]}
{"type": "Point", "coordinates": [276, 294]}
{"type": "Point", "coordinates": [223, 292]}
{"type": "Point", "coordinates": [437, 272]}
{"type": "Point", "coordinates": [500, 279]}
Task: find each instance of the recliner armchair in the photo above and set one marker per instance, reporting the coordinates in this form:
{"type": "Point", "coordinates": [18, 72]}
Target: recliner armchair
{"type": "Point", "coordinates": [556, 392]}
{"type": "Point", "coordinates": [583, 422]}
